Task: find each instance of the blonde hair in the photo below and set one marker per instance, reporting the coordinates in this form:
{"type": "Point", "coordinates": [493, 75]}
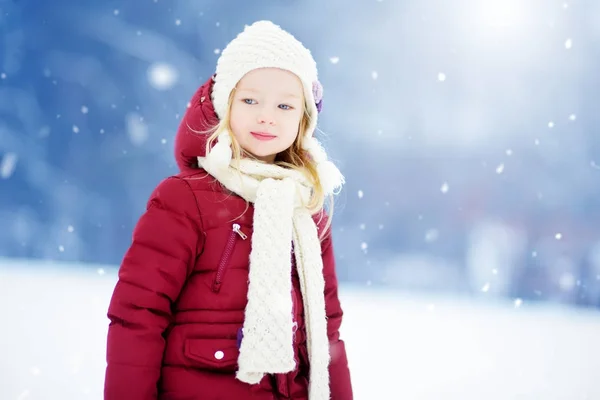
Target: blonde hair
{"type": "Point", "coordinates": [294, 157]}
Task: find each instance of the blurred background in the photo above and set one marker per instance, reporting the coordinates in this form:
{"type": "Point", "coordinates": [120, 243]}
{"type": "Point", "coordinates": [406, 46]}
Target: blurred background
{"type": "Point", "coordinates": [468, 132]}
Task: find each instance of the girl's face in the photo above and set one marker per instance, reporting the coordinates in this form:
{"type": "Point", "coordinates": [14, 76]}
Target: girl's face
{"type": "Point", "coordinates": [266, 111]}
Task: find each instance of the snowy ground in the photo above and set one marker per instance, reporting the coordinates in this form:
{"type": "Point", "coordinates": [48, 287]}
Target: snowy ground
{"type": "Point", "coordinates": [406, 347]}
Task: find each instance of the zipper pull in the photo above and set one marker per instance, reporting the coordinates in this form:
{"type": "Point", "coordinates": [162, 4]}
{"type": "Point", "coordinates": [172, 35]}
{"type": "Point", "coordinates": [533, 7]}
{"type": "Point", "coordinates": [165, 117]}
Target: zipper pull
{"type": "Point", "coordinates": [236, 229]}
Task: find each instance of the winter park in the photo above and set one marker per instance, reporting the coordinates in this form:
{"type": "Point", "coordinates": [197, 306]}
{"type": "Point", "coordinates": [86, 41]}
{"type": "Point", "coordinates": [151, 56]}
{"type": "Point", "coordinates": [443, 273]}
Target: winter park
{"type": "Point", "coordinates": [463, 253]}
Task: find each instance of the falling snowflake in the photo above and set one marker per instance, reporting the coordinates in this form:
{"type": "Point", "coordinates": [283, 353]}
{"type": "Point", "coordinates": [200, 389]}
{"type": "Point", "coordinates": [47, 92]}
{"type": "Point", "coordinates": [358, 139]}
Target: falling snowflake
{"type": "Point", "coordinates": [364, 246]}
{"type": "Point", "coordinates": [217, 51]}
{"type": "Point", "coordinates": [363, 227]}
{"type": "Point", "coordinates": [75, 129]}
{"type": "Point", "coordinates": [509, 152]}
{"type": "Point", "coordinates": [101, 271]}
{"type": "Point", "coordinates": [61, 248]}
{"type": "Point", "coordinates": [137, 130]}
{"type": "Point", "coordinates": [3, 75]}
{"type": "Point", "coordinates": [485, 288]}
{"type": "Point", "coordinates": [334, 60]}
{"type": "Point", "coordinates": [374, 75]}
{"type": "Point", "coordinates": [495, 271]}
{"type": "Point", "coordinates": [558, 236]}
{"type": "Point", "coordinates": [70, 228]}
{"type": "Point", "coordinates": [116, 12]}
{"type": "Point", "coordinates": [177, 22]}
{"type": "Point", "coordinates": [8, 165]}
{"type": "Point", "coordinates": [568, 44]}
{"type": "Point", "coordinates": [441, 77]}
{"type": "Point", "coordinates": [551, 124]}
{"type": "Point", "coordinates": [572, 117]}
{"type": "Point", "coordinates": [163, 141]}
{"type": "Point", "coordinates": [445, 188]}
{"type": "Point", "coordinates": [500, 169]}
{"type": "Point", "coordinates": [84, 109]}
{"type": "Point", "coordinates": [162, 76]}
{"type": "Point", "coordinates": [567, 281]}
{"type": "Point", "coordinates": [518, 303]}
{"type": "Point", "coordinates": [431, 235]}
{"type": "Point", "coordinates": [360, 194]}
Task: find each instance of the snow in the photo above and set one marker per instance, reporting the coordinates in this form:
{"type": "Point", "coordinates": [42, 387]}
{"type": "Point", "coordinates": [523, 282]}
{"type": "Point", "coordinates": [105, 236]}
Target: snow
{"type": "Point", "coordinates": [8, 165]}
{"type": "Point", "coordinates": [162, 76]}
{"type": "Point", "coordinates": [400, 345]}
{"type": "Point", "coordinates": [137, 130]}
{"type": "Point", "coordinates": [568, 44]}
{"type": "Point", "coordinates": [431, 235]}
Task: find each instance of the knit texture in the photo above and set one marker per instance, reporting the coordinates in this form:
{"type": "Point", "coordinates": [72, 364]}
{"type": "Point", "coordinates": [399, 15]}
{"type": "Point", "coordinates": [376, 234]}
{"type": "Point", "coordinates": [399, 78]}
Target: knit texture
{"type": "Point", "coordinates": [280, 218]}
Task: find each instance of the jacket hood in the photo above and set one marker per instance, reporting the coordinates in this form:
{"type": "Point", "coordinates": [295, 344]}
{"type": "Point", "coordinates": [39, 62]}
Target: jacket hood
{"type": "Point", "coordinates": [200, 116]}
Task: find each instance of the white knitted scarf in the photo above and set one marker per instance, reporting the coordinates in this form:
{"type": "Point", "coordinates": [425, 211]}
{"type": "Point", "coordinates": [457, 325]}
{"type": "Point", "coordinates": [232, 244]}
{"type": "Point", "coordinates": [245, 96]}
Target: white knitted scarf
{"type": "Point", "coordinates": [280, 217]}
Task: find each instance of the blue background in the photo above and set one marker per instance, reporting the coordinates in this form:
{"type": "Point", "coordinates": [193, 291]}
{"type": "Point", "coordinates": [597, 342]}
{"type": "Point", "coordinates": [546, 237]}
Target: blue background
{"type": "Point", "coordinates": [468, 134]}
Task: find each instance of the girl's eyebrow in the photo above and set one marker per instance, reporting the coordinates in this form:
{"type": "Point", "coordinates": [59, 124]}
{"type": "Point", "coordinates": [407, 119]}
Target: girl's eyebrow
{"type": "Point", "coordinates": [286, 94]}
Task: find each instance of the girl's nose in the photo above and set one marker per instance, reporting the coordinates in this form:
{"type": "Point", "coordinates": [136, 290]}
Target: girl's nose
{"type": "Point", "coordinates": [265, 118]}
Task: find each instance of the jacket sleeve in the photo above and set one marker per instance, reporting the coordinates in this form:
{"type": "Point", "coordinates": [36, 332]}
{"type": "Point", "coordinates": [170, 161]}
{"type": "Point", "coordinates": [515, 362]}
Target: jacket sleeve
{"type": "Point", "coordinates": [339, 373]}
{"type": "Point", "coordinates": [165, 242]}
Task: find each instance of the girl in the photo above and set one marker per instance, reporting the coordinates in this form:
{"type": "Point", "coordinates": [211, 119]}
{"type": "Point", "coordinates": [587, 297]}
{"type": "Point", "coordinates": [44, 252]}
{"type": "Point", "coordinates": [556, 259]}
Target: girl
{"type": "Point", "coordinates": [229, 289]}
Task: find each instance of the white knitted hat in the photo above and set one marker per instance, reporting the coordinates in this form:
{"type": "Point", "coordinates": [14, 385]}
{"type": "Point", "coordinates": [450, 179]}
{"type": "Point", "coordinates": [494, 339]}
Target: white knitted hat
{"type": "Point", "coordinates": [265, 45]}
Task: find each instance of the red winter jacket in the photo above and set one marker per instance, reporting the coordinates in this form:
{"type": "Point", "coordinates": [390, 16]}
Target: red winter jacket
{"type": "Point", "coordinates": [179, 302]}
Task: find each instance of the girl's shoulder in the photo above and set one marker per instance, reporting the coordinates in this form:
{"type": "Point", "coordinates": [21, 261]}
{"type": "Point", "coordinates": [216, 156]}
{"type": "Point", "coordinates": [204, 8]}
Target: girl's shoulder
{"type": "Point", "coordinates": [200, 180]}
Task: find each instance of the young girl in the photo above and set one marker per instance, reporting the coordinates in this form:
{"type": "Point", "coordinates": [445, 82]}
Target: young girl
{"type": "Point", "coordinates": [229, 289]}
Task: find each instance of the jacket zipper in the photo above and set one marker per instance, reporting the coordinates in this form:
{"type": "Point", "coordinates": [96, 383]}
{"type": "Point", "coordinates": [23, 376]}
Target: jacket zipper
{"type": "Point", "coordinates": [231, 241]}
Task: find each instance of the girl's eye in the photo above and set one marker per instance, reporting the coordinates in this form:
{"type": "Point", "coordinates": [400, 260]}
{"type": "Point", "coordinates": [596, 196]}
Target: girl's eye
{"type": "Point", "coordinates": [285, 107]}
{"type": "Point", "coordinates": [248, 101]}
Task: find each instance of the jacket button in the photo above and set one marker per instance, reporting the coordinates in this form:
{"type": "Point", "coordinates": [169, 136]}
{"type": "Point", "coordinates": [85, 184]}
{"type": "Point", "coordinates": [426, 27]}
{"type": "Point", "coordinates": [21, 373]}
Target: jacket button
{"type": "Point", "coordinates": [219, 355]}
